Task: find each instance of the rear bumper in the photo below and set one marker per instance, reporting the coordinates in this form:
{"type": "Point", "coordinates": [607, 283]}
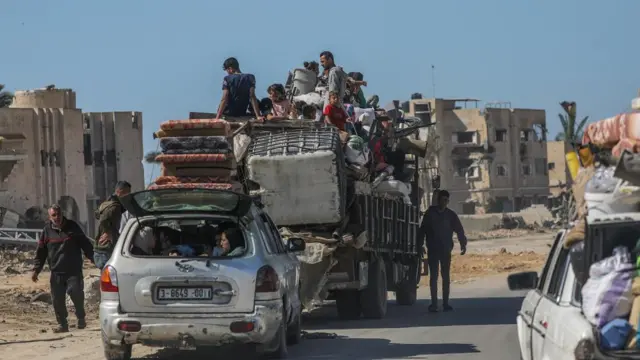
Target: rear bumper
{"type": "Point", "coordinates": [165, 329]}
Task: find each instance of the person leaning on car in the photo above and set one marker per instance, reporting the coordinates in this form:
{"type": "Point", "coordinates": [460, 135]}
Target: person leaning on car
{"type": "Point", "coordinates": [109, 215]}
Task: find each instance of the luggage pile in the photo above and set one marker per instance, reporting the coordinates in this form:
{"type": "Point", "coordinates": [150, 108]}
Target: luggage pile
{"type": "Point", "coordinates": [604, 240]}
{"type": "Point", "coordinates": [196, 153]}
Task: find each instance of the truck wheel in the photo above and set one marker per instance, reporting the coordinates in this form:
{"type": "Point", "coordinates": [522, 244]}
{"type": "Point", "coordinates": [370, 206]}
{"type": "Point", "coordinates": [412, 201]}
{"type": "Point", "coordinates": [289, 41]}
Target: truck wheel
{"type": "Point", "coordinates": [116, 352]}
{"type": "Point", "coordinates": [407, 292]}
{"type": "Point", "coordinates": [348, 304]}
{"type": "Point", "coordinates": [373, 298]}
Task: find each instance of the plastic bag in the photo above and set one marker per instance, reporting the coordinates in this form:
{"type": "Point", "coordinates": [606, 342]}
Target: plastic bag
{"type": "Point", "coordinates": [607, 293]}
{"type": "Point", "coordinates": [602, 181]}
{"type": "Point", "coordinates": [312, 98]}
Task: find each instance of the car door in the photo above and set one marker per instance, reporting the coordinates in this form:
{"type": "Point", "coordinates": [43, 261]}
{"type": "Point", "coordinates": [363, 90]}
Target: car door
{"type": "Point", "coordinates": [549, 301]}
{"type": "Point", "coordinates": [525, 316]}
{"type": "Point", "coordinates": [289, 262]}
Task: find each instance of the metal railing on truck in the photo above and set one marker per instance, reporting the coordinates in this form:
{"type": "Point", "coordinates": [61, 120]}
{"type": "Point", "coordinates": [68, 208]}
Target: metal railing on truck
{"type": "Point", "coordinates": [392, 226]}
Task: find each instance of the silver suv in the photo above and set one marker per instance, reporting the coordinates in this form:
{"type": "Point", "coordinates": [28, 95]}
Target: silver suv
{"type": "Point", "coordinates": [198, 268]}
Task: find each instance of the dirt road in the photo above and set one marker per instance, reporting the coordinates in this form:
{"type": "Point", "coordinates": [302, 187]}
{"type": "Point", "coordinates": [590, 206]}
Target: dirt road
{"type": "Point", "coordinates": [25, 324]}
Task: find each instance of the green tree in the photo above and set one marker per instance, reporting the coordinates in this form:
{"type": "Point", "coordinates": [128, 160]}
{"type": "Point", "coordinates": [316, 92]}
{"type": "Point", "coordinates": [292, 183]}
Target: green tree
{"type": "Point", "coordinates": [6, 98]}
{"type": "Point", "coordinates": [572, 130]}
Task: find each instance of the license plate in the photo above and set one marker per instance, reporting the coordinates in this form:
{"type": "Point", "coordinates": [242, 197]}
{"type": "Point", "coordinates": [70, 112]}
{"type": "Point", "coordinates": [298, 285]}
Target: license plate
{"type": "Point", "coordinates": [184, 293]}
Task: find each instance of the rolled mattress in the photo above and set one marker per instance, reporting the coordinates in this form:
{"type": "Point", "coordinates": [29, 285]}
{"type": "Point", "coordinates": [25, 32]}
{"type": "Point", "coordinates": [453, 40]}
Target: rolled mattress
{"type": "Point", "coordinates": [298, 189]}
{"type": "Point", "coordinates": [204, 144]}
{"type": "Point", "coordinates": [160, 134]}
{"type": "Point", "coordinates": [164, 180]}
{"type": "Point", "coordinates": [232, 186]}
{"type": "Point", "coordinates": [224, 169]}
{"type": "Point", "coordinates": [193, 158]}
{"type": "Point", "coordinates": [195, 124]}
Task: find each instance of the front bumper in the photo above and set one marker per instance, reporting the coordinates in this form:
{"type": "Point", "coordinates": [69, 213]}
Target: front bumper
{"type": "Point", "coordinates": [166, 329]}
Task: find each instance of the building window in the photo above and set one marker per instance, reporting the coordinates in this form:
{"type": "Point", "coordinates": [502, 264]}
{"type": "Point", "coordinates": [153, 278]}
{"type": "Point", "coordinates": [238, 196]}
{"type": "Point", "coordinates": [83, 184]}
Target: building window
{"type": "Point", "coordinates": [465, 137]}
{"type": "Point", "coordinates": [525, 134]}
{"type": "Point", "coordinates": [551, 165]}
{"type": "Point", "coordinates": [526, 169]}
{"type": "Point", "coordinates": [466, 168]}
{"type": "Point", "coordinates": [468, 208]}
{"type": "Point", "coordinates": [501, 135]}
{"type": "Point", "coordinates": [541, 166]}
{"type": "Point", "coordinates": [501, 170]}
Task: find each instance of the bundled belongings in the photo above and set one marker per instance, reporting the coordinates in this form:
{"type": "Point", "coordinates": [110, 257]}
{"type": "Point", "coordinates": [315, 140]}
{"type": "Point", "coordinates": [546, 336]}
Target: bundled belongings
{"type": "Point", "coordinates": [607, 293]}
{"type": "Point", "coordinates": [619, 133]}
{"type": "Point", "coordinates": [202, 158]}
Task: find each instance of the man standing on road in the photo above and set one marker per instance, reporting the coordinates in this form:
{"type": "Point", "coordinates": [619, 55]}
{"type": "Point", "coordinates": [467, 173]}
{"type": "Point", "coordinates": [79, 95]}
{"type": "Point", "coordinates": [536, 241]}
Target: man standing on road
{"type": "Point", "coordinates": [109, 215]}
{"type": "Point", "coordinates": [438, 225]}
{"type": "Point", "coordinates": [61, 244]}
{"type": "Point", "coordinates": [238, 92]}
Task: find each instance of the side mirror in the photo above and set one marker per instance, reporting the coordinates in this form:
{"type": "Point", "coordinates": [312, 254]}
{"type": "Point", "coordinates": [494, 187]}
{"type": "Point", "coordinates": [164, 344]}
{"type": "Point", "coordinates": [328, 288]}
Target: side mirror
{"type": "Point", "coordinates": [296, 244]}
{"type": "Point", "coordinates": [523, 281]}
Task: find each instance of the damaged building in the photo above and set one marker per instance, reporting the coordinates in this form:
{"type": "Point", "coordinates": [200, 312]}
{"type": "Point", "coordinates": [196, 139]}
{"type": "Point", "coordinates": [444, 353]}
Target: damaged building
{"type": "Point", "coordinates": [51, 152]}
{"type": "Point", "coordinates": [490, 159]}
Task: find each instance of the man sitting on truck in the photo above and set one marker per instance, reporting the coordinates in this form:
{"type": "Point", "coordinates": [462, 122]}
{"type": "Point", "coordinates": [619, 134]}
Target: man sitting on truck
{"type": "Point", "coordinates": [438, 225]}
{"type": "Point", "coordinates": [238, 91]}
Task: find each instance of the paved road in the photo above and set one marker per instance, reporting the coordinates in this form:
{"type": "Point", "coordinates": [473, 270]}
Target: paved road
{"type": "Point", "coordinates": [481, 327]}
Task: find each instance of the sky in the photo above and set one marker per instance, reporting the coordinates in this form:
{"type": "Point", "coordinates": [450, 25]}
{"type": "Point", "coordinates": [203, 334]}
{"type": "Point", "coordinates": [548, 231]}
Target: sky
{"type": "Point", "coordinates": [164, 58]}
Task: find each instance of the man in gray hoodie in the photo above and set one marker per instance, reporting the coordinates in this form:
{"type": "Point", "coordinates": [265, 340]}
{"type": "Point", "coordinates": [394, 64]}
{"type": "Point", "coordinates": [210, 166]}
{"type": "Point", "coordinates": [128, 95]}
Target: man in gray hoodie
{"type": "Point", "coordinates": [438, 225]}
{"type": "Point", "coordinates": [333, 76]}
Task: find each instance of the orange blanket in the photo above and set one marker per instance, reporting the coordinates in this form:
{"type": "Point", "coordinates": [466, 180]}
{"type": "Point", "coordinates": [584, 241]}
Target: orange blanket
{"type": "Point", "coordinates": [193, 158]}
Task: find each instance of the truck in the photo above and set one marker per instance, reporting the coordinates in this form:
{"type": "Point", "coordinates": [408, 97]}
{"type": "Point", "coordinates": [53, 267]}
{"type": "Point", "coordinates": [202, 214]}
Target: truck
{"type": "Point", "coordinates": [362, 241]}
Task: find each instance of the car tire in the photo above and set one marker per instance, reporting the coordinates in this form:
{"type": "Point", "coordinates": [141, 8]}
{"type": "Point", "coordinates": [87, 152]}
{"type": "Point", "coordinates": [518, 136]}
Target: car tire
{"type": "Point", "coordinates": [116, 352]}
{"type": "Point", "coordinates": [278, 347]}
{"type": "Point", "coordinates": [348, 304]}
{"type": "Point", "coordinates": [407, 292]}
{"type": "Point", "coordinates": [374, 297]}
{"type": "Point", "coordinates": [294, 331]}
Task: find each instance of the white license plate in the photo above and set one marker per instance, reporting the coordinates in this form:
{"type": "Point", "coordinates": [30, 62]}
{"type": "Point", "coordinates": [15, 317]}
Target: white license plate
{"type": "Point", "coordinates": [184, 293]}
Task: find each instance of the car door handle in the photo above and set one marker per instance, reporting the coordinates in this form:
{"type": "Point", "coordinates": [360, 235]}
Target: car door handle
{"type": "Point", "coordinates": [219, 292]}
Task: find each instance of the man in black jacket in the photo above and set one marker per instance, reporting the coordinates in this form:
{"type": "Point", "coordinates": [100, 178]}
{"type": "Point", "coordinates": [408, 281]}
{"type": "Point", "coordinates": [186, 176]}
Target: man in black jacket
{"type": "Point", "coordinates": [61, 245]}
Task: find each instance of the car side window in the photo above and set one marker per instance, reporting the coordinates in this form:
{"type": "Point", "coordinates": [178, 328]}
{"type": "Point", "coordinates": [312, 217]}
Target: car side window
{"type": "Point", "coordinates": [547, 264]}
{"type": "Point", "coordinates": [266, 237]}
{"type": "Point", "coordinates": [558, 275]}
{"type": "Point", "coordinates": [275, 233]}
{"type": "Point", "coordinates": [577, 294]}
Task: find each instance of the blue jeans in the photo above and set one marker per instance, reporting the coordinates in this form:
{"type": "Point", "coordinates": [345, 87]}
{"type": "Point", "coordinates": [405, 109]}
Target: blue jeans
{"type": "Point", "coordinates": [100, 259]}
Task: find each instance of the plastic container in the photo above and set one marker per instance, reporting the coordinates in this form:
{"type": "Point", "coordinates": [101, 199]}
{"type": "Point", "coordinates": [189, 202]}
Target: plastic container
{"type": "Point", "coordinates": [624, 198]}
{"type": "Point", "coordinates": [573, 163]}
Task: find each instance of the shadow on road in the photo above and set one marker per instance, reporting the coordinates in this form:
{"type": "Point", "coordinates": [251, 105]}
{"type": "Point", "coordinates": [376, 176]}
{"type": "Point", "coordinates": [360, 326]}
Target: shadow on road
{"type": "Point", "coordinates": [468, 311]}
{"type": "Point", "coordinates": [338, 348]}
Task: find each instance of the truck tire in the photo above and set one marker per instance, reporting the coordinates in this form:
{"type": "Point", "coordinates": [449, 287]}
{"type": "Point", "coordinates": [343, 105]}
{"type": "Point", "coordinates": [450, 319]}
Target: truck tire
{"type": "Point", "coordinates": [407, 292]}
{"type": "Point", "coordinates": [348, 304]}
{"type": "Point", "coordinates": [116, 352]}
{"type": "Point", "coordinates": [373, 298]}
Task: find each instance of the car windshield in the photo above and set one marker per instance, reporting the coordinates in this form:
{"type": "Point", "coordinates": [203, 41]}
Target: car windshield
{"type": "Point", "coordinates": [192, 200]}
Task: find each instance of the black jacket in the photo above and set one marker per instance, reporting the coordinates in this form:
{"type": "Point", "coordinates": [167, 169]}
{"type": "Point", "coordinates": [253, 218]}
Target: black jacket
{"type": "Point", "coordinates": [63, 248]}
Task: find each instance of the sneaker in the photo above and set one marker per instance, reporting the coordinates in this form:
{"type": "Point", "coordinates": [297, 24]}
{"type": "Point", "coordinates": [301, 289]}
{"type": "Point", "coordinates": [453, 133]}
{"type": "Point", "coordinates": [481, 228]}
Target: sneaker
{"type": "Point", "coordinates": [447, 308]}
{"type": "Point", "coordinates": [82, 324]}
{"type": "Point", "coordinates": [433, 308]}
{"type": "Point", "coordinates": [61, 329]}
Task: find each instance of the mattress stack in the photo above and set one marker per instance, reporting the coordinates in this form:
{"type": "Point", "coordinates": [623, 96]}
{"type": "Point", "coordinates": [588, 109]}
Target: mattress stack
{"type": "Point", "coordinates": [196, 154]}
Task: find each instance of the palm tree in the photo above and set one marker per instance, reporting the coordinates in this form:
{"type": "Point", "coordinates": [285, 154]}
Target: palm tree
{"type": "Point", "coordinates": [6, 98]}
{"type": "Point", "coordinates": [571, 130]}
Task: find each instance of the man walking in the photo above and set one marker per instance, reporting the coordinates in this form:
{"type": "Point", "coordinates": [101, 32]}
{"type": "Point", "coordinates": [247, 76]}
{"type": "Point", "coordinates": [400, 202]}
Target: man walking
{"type": "Point", "coordinates": [438, 225]}
{"type": "Point", "coordinates": [109, 214]}
{"type": "Point", "coordinates": [61, 244]}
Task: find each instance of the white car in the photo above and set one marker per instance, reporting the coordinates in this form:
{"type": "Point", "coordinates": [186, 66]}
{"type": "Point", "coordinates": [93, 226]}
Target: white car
{"type": "Point", "coordinates": [183, 292]}
{"type": "Point", "coordinates": [551, 325]}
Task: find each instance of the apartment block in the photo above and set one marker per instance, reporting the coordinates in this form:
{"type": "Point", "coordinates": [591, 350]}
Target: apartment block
{"type": "Point", "coordinates": [50, 152]}
{"type": "Point", "coordinates": [559, 177]}
{"type": "Point", "coordinates": [490, 159]}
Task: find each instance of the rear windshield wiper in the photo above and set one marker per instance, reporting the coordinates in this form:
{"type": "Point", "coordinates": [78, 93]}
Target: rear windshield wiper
{"type": "Point", "coordinates": [183, 261]}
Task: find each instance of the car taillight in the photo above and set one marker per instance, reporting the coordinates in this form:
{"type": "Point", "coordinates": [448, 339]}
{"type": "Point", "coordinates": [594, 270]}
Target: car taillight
{"type": "Point", "coordinates": [267, 280]}
{"type": "Point", "coordinates": [109, 279]}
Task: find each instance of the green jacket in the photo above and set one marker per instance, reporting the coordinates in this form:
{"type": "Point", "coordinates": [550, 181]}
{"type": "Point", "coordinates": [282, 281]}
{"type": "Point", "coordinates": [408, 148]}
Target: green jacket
{"type": "Point", "coordinates": [108, 215]}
